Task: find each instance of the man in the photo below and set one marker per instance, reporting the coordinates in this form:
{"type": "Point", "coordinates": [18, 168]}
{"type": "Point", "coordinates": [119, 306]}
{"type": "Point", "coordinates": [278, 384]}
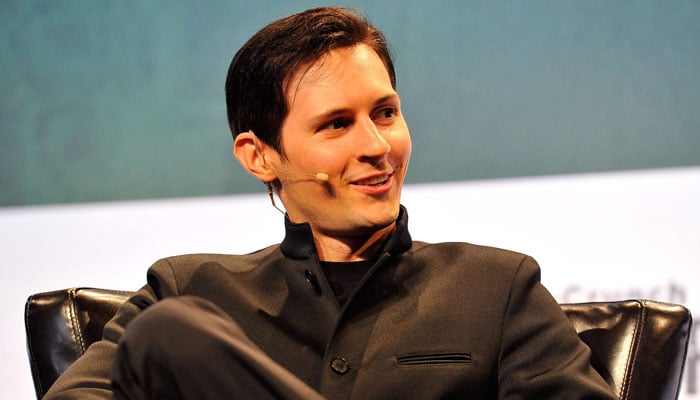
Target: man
{"type": "Point", "coordinates": [347, 306]}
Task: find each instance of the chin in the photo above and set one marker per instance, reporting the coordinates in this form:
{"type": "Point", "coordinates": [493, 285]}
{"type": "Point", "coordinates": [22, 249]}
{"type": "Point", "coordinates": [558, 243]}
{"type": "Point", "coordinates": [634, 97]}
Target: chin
{"type": "Point", "coordinates": [384, 218]}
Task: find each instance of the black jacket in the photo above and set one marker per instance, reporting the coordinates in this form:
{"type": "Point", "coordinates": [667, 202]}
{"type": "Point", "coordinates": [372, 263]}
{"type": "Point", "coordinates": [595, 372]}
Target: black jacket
{"type": "Point", "coordinates": [429, 321]}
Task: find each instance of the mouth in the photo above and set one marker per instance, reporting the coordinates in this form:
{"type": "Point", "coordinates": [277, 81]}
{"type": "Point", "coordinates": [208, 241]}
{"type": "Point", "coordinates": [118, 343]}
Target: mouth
{"type": "Point", "coordinates": [377, 180]}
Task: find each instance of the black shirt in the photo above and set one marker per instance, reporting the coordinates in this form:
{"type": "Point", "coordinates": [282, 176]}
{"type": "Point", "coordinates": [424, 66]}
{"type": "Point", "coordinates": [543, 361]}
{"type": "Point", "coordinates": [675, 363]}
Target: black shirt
{"type": "Point", "coordinates": [344, 276]}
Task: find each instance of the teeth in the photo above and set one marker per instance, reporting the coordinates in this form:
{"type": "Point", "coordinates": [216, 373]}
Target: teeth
{"type": "Point", "coordinates": [375, 181]}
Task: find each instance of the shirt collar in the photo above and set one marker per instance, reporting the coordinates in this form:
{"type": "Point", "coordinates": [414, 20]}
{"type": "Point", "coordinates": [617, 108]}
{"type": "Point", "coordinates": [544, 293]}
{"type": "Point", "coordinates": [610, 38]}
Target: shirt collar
{"type": "Point", "coordinates": [298, 241]}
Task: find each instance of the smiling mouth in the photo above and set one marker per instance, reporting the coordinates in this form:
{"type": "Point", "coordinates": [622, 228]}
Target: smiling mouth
{"type": "Point", "coordinates": [374, 181]}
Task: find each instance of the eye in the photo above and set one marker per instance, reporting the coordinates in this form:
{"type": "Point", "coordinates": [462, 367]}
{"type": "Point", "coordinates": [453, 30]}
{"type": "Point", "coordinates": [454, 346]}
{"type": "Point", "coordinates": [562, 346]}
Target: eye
{"type": "Point", "coordinates": [337, 124]}
{"type": "Point", "coordinates": [389, 112]}
{"type": "Point", "coordinates": [386, 115]}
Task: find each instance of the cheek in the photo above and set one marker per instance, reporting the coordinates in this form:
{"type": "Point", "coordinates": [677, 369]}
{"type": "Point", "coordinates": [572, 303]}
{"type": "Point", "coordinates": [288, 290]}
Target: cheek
{"type": "Point", "coordinates": [313, 155]}
{"type": "Point", "coordinates": [401, 145]}
{"type": "Point", "coordinates": [327, 159]}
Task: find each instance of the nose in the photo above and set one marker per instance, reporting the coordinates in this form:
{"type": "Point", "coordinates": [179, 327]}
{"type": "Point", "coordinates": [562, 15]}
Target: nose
{"type": "Point", "coordinates": [372, 143]}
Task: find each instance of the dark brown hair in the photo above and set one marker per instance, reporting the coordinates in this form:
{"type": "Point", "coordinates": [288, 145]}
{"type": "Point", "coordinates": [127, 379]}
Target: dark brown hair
{"type": "Point", "coordinates": [255, 84]}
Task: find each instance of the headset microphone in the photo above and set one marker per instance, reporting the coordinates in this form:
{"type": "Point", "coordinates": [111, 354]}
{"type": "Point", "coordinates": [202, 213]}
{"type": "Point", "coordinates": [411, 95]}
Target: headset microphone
{"type": "Point", "coordinates": [320, 176]}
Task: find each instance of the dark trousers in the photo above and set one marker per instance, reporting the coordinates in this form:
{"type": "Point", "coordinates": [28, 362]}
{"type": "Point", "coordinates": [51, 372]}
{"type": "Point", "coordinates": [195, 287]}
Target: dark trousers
{"type": "Point", "coordinates": [188, 348]}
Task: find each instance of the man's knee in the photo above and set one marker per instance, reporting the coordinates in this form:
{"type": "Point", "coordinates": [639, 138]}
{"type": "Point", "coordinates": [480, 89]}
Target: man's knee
{"type": "Point", "coordinates": [177, 327]}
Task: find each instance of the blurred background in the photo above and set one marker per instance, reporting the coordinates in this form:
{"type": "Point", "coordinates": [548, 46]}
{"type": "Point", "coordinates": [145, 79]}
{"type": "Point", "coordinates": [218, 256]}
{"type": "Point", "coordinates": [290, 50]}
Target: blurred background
{"type": "Point", "coordinates": [566, 130]}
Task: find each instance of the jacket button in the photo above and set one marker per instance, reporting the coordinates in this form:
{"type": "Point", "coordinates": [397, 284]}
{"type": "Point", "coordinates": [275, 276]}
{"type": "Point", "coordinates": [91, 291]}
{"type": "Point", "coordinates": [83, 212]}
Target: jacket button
{"type": "Point", "coordinates": [339, 365]}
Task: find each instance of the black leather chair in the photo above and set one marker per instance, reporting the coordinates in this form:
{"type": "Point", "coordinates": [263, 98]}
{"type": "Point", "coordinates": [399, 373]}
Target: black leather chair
{"type": "Point", "coordinates": [639, 346]}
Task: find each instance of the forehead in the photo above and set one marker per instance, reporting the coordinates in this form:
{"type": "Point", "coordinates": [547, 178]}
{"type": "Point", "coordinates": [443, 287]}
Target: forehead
{"type": "Point", "coordinates": [341, 71]}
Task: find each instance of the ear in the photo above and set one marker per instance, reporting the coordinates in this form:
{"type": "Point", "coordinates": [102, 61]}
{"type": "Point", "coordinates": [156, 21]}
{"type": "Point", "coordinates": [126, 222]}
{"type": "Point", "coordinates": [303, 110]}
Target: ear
{"type": "Point", "coordinates": [251, 152]}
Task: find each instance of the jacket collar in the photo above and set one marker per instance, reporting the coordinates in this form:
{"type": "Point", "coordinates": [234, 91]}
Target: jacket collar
{"type": "Point", "coordinates": [298, 241]}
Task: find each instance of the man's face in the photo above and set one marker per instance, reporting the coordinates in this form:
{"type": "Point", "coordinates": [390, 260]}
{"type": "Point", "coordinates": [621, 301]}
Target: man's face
{"type": "Point", "coordinates": [344, 120]}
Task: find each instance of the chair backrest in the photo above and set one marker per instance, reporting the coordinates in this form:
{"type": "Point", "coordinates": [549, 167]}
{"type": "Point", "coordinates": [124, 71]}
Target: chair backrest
{"type": "Point", "coordinates": [61, 325]}
{"type": "Point", "coordinates": [638, 346]}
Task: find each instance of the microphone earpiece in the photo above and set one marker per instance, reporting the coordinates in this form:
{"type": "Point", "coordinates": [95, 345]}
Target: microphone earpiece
{"type": "Point", "coordinates": [322, 177]}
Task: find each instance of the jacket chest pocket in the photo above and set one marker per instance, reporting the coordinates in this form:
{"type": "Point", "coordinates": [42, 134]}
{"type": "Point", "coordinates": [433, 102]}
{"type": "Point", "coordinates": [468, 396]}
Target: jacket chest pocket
{"type": "Point", "coordinates": [446, 358]}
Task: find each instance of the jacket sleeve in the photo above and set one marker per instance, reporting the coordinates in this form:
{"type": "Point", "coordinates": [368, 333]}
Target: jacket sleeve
{"type": "Point", "coordinates": [89, 377]}
{"type": "Point", "coordinates": [541, 356]}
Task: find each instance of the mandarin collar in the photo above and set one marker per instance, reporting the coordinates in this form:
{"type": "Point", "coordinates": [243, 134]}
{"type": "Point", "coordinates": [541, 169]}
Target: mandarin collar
{"type": "Point", "coordinates": [298, 241]}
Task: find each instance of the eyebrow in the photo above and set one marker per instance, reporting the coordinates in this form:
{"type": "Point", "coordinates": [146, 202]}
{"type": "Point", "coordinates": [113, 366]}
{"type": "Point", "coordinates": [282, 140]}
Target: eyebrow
{"type": "Point", "coordinates": [313, 121]}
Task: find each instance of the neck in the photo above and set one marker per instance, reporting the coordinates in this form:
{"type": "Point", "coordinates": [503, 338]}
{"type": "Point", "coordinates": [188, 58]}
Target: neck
{"type": "Point", "coordinates": [356, 248]}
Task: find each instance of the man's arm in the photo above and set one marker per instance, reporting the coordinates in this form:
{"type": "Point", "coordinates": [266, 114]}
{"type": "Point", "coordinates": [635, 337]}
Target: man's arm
{"type": "Point", "coordinates": [542, 357]}
{"type": "Point", "coordinates": [89, 377]}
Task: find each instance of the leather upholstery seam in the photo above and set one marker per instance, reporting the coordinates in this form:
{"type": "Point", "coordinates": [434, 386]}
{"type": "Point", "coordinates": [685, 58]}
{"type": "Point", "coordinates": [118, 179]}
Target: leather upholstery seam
{"type": "Point", "coordinates": [75, 324]}
{"type": "Point", "coordinates": [632, 358]}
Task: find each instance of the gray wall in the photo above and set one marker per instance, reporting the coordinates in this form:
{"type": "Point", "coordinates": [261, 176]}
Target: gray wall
{"type": "Point", "coordinates": [116, 100]}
